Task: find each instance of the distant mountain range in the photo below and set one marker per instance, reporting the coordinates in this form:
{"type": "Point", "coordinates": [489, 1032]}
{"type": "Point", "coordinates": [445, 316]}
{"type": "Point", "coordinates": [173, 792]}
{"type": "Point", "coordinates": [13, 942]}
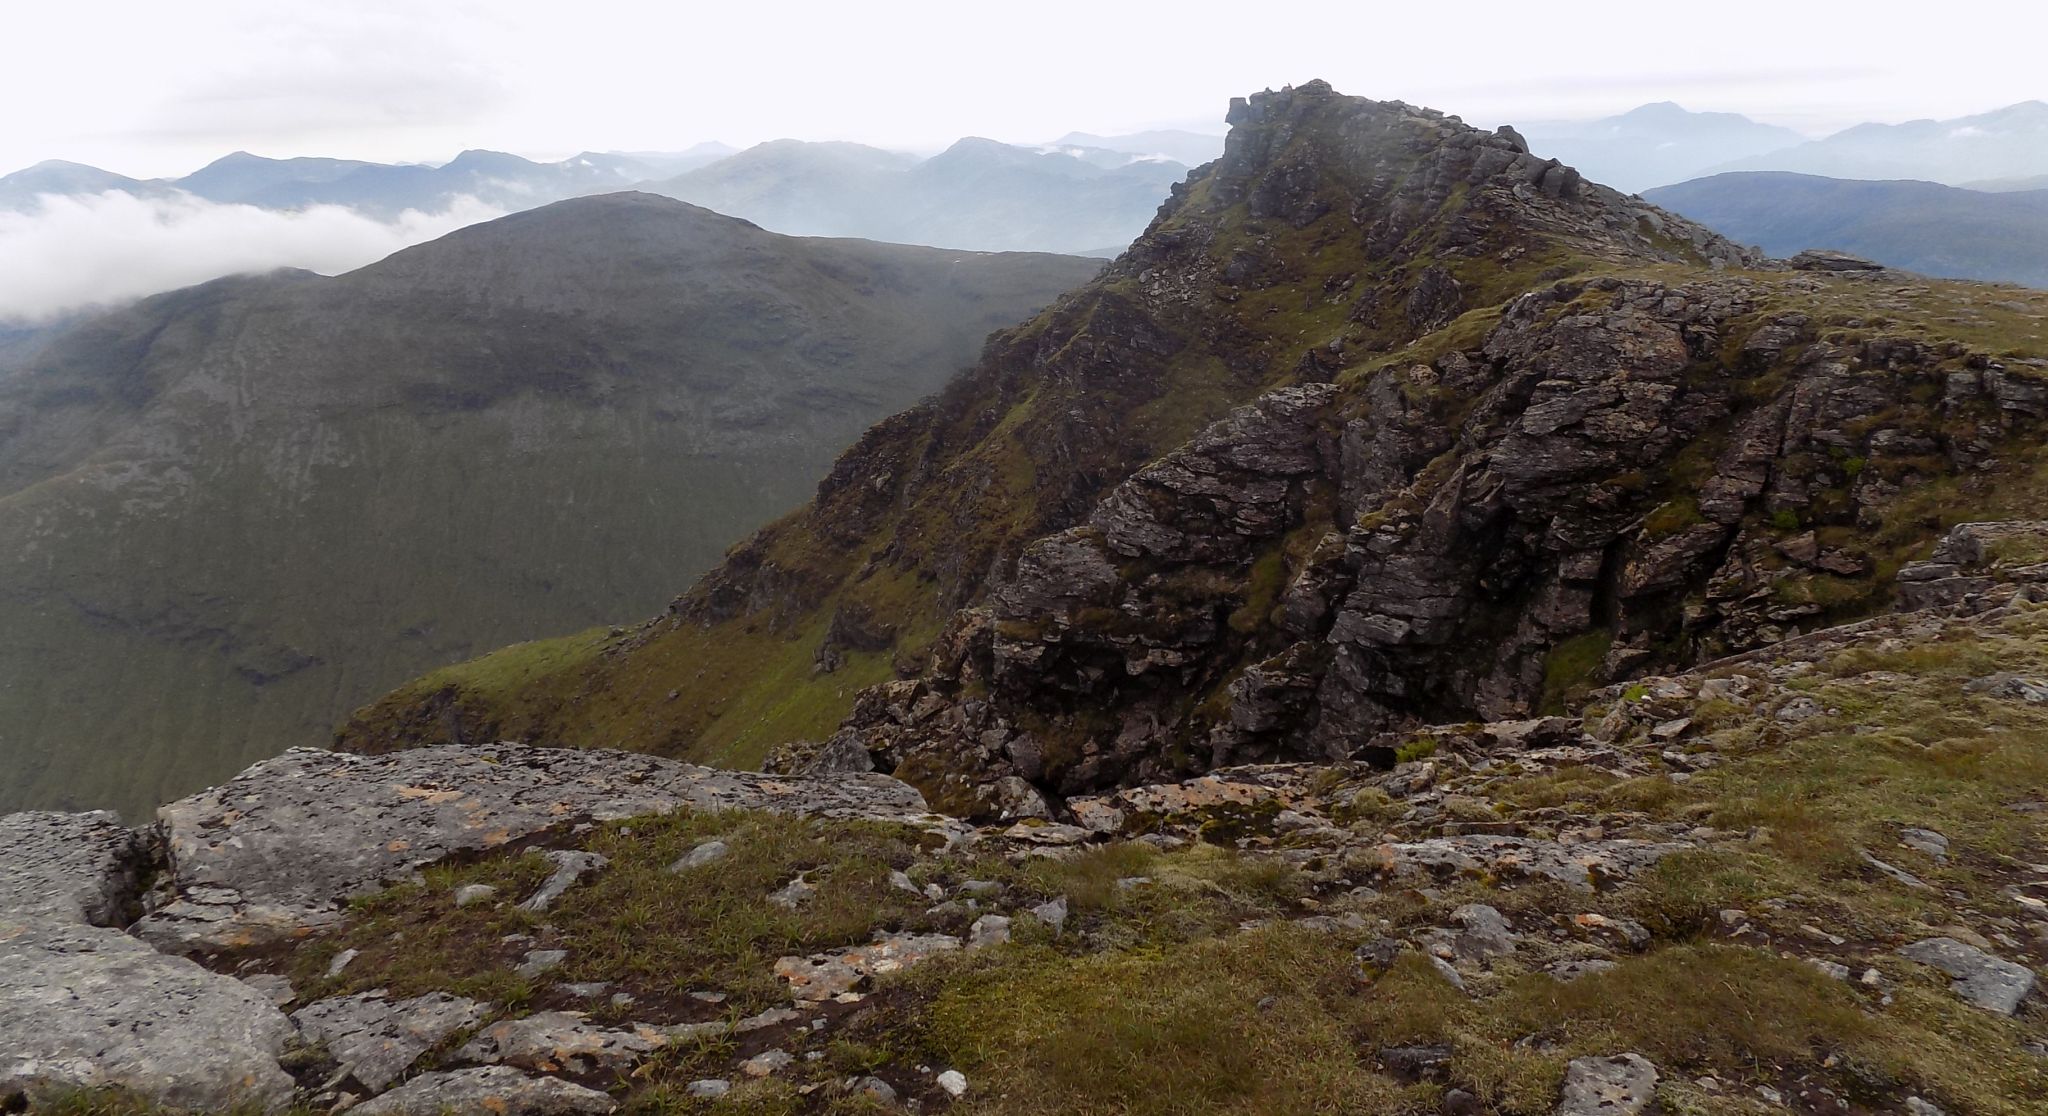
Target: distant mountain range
{"type": "Point", "coordinates": [1662, 144]}
{"type": "Point", "coordinates": [2011, 142]}
{"type": "Point", "coordinates": [1656, 144]}
{"type": "Point", "coordinates": [379, 189]}
{"type": "Point", "coordinates": [1919, 226]}
{"type": "Point", "coordinates": [231, 513]}
{"type": "Point", "coordinates": [977, 194]}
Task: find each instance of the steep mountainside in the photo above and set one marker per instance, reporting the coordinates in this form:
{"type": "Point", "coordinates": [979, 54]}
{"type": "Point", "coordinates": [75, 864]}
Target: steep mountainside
{"type": "Point", "coordinates": [2011, 142]}
{"type": "Point", "coordinates": [976, 194]}
{"type": "Point", "coordinates": [1919, 226]}
{"type": "Point", "coordinates": [1332, 234]}
{"type": "Point", "coordinates": [1654, 145]}
{"type": "Point", "coordinates": [234, 512]}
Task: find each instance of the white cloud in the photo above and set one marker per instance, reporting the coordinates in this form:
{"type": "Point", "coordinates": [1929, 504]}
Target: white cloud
{"type": "Point", "coordinates": [105, 249]}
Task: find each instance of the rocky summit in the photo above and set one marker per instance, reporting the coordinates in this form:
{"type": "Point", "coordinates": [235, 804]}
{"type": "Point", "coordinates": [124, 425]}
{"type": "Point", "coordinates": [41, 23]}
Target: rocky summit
{"type": "Point", "coordinates": [1421, 633]}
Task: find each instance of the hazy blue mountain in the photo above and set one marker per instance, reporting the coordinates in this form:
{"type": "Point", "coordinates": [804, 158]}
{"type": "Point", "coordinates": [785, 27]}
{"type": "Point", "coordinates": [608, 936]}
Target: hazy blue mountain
{"type": "Point", "coordinates": [1919, 226]}
{"type": "Point", "coordinates": [977, 194]}
{"type": "Point", "coordinates": [2008, 185]}
{"type": "Point", "coordinates": [55, 176]}
{"type": "Point", "coordinates": [1656, 144]}
{"type": "Point", "coordinates": [1190, 149]}
{"type": "Point", "coordinates": [2011, 142]}
{"type": "Point", "coordinates": [494, 177]}
{"type": "Point", "coordinates": [231, 513]}
{"type": "Point", "coordinates": [801, 188]}
{"type": "Point", "coordinates": [651, 165]}
{"type": "Point", "coordinates": [241, 177]}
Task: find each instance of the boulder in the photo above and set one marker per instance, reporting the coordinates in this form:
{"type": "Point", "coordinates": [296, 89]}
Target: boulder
{"type": "Point", "coordinates": [1991, 983]}
{"type": "Point", "coordinates": [87, 1007]}
{"type": "Point", "coordinates": [1621, 1085]}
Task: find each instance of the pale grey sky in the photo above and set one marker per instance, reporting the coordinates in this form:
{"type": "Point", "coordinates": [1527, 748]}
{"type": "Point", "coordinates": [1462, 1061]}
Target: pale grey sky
{"type": "Point", "coordinates": [149, 88]}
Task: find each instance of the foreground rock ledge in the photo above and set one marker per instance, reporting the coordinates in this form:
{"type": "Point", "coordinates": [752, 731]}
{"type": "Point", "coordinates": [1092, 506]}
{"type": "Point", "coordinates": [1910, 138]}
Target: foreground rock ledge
{"type": "Point", "coordinates": [278, 849]}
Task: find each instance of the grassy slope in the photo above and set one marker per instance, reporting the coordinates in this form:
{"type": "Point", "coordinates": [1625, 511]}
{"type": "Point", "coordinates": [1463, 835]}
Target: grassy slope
{"type": "Point", "coordinates": [236, 513]}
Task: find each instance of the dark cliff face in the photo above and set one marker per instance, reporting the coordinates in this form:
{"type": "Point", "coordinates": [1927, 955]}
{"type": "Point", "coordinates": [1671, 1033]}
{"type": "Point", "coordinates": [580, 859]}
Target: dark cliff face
{"type": "Point", "coordinates": [1623, 474]}
{"type": "Point", "coordinates": [1510, 435]}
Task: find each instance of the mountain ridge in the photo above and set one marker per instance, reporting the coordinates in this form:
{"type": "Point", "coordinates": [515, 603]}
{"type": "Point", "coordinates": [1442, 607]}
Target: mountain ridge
{"type": "Point", "coordinates": [233, 505]}
{"type": "Point", "coordinates": [1925, 227]}
{"type": "Point", "coordinates": [1419, 221]}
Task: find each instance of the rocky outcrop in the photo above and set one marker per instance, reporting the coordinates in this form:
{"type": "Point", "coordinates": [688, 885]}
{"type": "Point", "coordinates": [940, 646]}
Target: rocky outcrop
{"type": "Point", "coordinates": [1621, 476]}
{"type": "Point", "coordinates": [277, 850]}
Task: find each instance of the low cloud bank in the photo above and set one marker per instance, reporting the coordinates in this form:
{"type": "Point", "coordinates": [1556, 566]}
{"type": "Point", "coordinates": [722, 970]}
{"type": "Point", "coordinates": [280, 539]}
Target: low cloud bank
{"type": "Point", "coordinates": [73, 253]}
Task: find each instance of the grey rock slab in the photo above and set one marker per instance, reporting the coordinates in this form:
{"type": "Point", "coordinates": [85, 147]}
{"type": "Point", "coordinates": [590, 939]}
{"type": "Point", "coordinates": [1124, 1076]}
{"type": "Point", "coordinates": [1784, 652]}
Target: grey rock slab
{"type": "Point", "coordinates": [379, 1038]}
{"type": "Point", "coordinates": [707, 853]}
{"type": "Point", "coordinates": [988, 930]}
{"type": "Point", "coordinates": [88, 1007]}
{"type": "Point", "coordinates": [277, 989]}
{"type": "Point", "coordinates": [1568, 971]}
{"type": "Point", "coordinates": [1053, 913]}
{"type": "Point", "coordinates": [1925, 840]}
{"type": "Point", "coordinates": [1896, 873]}
{"type": "Point", "coordinates": [1580, 865]}
{"type": "Point", "coordinates": [875, 1089]}
{"type": "Point", "coordinates": [767, 1062]}
{"type": "Point", "coordinates": [1991, 983]}
{"type": "Point", "coordinates": [563, 1042]}
{"type": "Point", "coordinates": [539, 961]}
{"type": "Point", "coordinates": [487, 1091]}
{"type": "Point", "coordinates": [282, 846]}
{"type": "Point", "coordinates": [708, 1088]}
{"type": "Point", "coordinates": [571, 865]}
{"type": "Point", "coordinates": [471, 894]}
{"type": "Point", "coordinates": [1619, 1085]}
{"type": "Point", "coordinates": [793, 894]}
{"type": "Point", "coordinates": [84, 868]}
{"type": "Point", "coordinates": [821, 976]}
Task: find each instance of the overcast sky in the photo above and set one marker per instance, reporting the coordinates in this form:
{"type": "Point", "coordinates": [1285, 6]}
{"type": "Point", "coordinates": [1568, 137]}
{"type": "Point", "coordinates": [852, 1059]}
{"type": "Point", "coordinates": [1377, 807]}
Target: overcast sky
{"type": "Point", "coordinates": [151, 88]}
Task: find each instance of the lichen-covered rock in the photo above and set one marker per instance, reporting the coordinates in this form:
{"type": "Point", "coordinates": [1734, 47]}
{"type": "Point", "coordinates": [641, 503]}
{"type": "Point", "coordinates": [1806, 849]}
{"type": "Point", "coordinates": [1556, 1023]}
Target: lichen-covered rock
{"type": "Point", "coordinates": [71, 867]}
{"type": "Point", "coordinates": [488, 1091]}
{"type": "Point", "coordinates": [562, 1042]}
{"type": "Point", "coordinates": [87, 1007]}
{"type": "Point", "coordinates": [379, 1038]}
{"type": "Point", "coordinates": [1581, 865]}
{"type": "Point", "coordinates": [1622, 1085]}
{"type": "Point", "coordinates": [822, 976]}
{"type": "Point", "coordinates": [276, 850]}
